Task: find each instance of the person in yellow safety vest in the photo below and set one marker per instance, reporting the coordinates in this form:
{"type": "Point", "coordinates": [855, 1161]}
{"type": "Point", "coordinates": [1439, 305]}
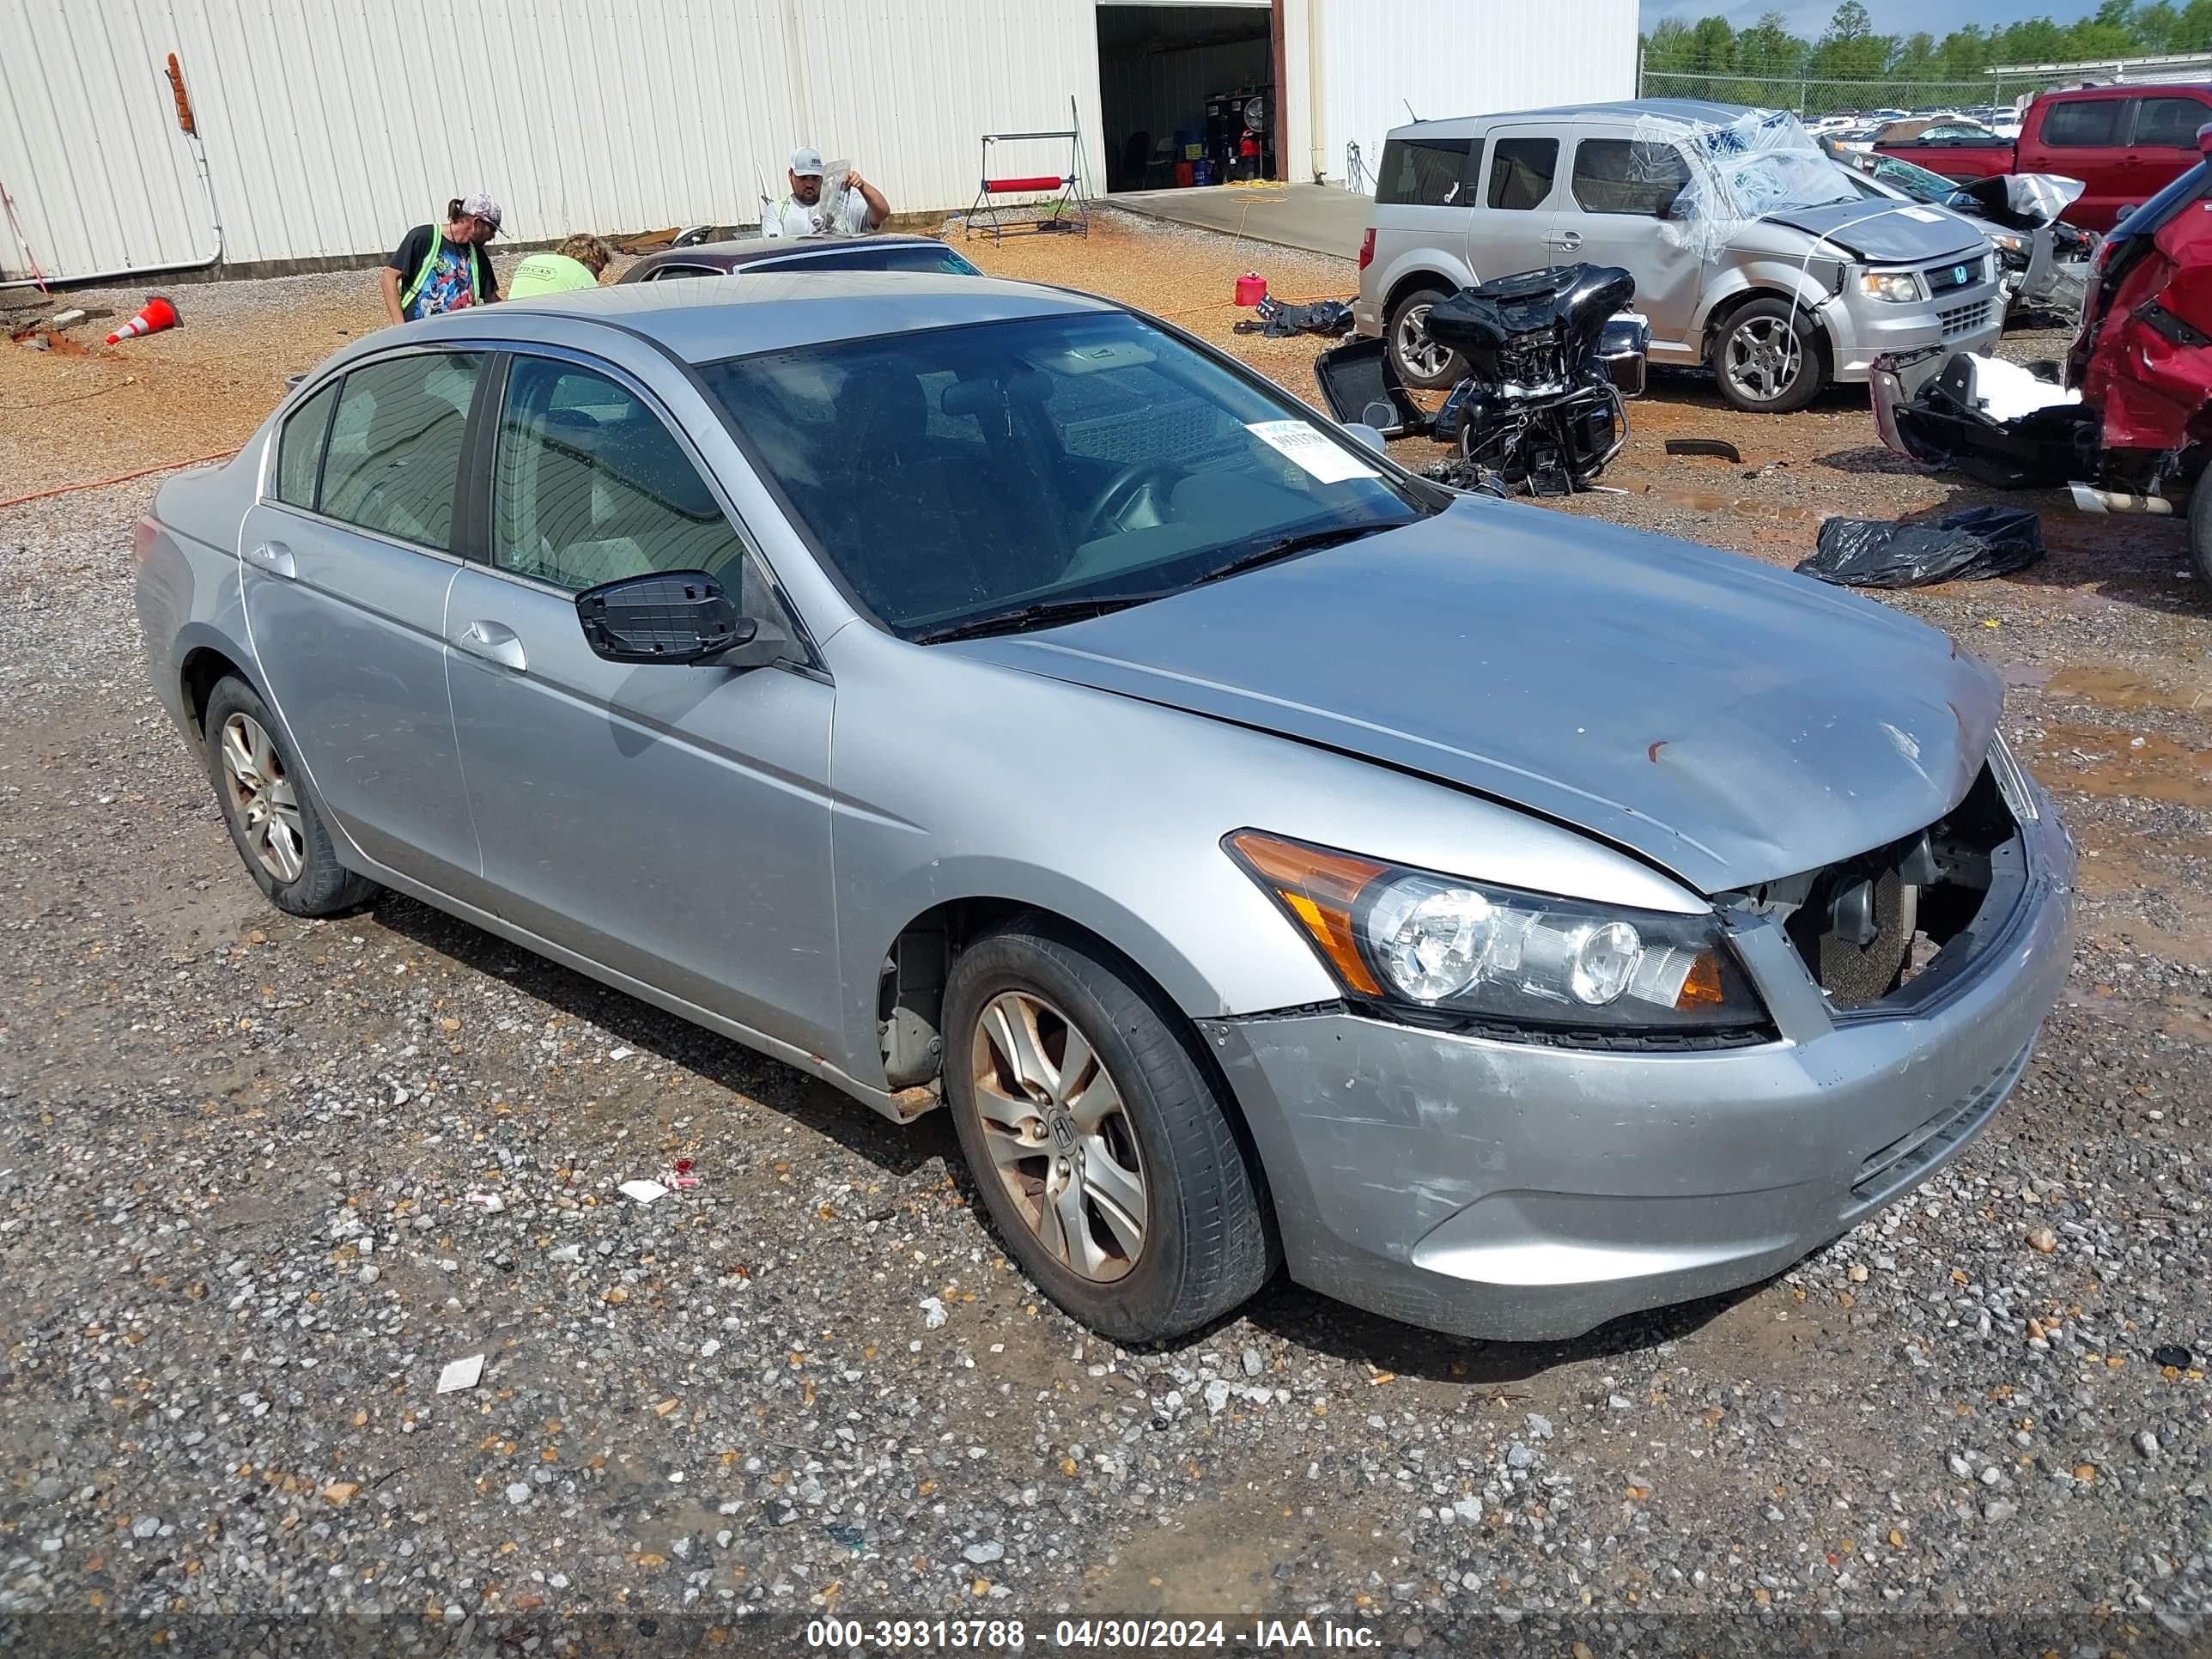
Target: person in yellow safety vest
{"type": "Point", "coordinates": [576, 264]}
{"type": "Point", "coordinates": [435, 269]}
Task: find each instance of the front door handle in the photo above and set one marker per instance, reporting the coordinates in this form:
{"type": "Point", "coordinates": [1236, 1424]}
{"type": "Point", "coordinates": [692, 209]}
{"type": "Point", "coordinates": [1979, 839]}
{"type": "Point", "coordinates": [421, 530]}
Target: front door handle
{"type": "Point", "coordinates": [1569, 239]}
{"type": "Point", "coordinates": [494, 642]}
{"type": "Point", "coordinates": [274, 558]}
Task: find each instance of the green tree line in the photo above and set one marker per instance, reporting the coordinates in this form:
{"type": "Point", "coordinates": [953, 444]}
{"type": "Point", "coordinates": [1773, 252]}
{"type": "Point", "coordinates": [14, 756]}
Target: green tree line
{"type": "Point", "coordinates": [1851, 51]}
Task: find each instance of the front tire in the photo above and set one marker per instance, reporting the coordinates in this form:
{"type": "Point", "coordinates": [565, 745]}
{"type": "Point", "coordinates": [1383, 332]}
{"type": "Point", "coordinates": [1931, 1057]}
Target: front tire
{"type": "Point", "coordinates": [1106, 1161]}
{"type": "Point", "coordinates": [1767, 358]}
{"type": "Point", "coordinates": [1419, 361]}
{"type": "Point", "coordinates": [272, 819]}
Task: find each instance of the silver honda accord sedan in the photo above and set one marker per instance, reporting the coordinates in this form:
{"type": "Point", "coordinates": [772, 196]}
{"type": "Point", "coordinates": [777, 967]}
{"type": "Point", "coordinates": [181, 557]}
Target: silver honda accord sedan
{"type": "Point", "coordinates": [983, 695]}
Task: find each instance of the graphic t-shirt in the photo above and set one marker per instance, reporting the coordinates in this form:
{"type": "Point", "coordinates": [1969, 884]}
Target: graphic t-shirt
{"type": "Point", "coordinates": [447, 287]}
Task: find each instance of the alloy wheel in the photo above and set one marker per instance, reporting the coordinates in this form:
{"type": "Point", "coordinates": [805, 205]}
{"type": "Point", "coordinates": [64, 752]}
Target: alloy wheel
{"type": "Point", "coordinates": [1764, 357]}
{"type": "Point", "coordinates": [262, 797]}
{"type": "Point", "coordinates": [1415, 348]}
{"type": "Point", "coordinates": [1059, 1137]}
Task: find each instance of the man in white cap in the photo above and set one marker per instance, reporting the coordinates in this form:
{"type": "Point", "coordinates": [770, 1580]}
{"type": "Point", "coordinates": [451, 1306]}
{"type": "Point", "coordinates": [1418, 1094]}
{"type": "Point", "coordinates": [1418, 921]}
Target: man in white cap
{"type": "Point", "coordinates": [859, 208]}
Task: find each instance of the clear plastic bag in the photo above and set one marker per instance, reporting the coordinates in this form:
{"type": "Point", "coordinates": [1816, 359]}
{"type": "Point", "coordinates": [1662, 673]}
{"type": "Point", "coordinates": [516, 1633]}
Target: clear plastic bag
{"type": "Point", "coordinates": [828, 213]}
{"type": "Point", "coordinates": [1762, 162]}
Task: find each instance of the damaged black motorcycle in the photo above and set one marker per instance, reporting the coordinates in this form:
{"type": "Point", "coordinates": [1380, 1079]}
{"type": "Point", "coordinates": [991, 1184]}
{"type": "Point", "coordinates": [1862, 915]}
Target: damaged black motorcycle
{"type": "Point", "coordinates": [1552, 356]}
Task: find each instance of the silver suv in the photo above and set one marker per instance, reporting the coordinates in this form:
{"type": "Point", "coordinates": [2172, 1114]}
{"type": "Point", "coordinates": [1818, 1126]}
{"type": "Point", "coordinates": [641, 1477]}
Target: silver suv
{"type": "Point", "coordinates": [1752, 253]}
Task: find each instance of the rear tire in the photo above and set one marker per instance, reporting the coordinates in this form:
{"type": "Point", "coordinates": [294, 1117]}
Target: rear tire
{"type": "Point", "coordinates": [272, 818]}
{"type": "Point", "coordinates": [1767, 358]}
{"type": "Point", "coordinates": [1420, 363]}
{"type": "Point", "coordinates": [1116, 1179]}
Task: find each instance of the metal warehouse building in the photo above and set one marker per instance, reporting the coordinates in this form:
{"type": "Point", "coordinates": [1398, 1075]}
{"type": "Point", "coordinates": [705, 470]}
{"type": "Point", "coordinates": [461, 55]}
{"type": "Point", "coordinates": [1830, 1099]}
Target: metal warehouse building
{"type": "Point", "coordinates": [289, 132]}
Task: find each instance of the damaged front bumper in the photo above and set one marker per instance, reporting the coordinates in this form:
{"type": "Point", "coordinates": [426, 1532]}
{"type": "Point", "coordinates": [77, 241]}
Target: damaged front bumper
{"type": "Point", "coordinates": [1521, 1191]}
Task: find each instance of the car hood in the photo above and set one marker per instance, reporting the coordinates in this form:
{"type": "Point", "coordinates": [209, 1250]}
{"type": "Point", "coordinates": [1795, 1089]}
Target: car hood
{"type": "Point", "coordinates": [1730, 722]}
{"type": "Point", "coordinates": [1905, 233]}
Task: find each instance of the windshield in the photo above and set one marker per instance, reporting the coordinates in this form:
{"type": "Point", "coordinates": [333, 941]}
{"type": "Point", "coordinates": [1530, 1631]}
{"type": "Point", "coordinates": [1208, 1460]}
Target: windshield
{"type": "Point", "coordinates": [1915, 182]}
{"type": "Point", "coordinates": [1016, 472]}
{"type": "Point", "coordinates": [2152, 216]}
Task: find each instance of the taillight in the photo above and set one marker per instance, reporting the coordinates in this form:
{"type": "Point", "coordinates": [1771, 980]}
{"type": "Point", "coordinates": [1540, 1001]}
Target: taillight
{"type": "Point", "coordinates": [1367, 250]}
{"type": "Point", "coordinates": [142, 538]}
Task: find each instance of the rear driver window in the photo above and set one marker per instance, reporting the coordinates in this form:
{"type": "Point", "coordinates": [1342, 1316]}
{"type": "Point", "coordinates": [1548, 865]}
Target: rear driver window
{"type": "Point", "coordinates": [1422, 172]}
{"type": "Point", "coordinates": [2083, 124]}
{"type": "Point", "coordinates": [395, 445]}
{"type": "Point", "coordinates": [300, 451]}
{"type": "Point", "coordinates": [1520, 171]}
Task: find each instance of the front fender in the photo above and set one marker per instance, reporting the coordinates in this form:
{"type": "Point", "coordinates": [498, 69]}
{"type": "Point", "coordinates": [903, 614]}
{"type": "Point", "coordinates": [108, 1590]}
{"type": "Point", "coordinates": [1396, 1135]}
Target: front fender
{"type": "Point", "coordinates": [955, 777]}
{"type": "Point", "coordinates": [1783, 278]}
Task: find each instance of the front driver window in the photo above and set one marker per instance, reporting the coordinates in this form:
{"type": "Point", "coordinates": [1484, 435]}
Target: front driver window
{"type": "Point", "coordinates": [589, 487]}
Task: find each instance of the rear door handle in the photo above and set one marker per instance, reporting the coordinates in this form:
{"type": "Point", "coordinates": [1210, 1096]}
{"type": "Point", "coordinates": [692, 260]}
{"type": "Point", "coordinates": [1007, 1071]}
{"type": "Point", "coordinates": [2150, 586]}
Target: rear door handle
{"type": "Point", "coordinates": [494, 642]}
{"type": "Point", "coordinates": [274, 558]}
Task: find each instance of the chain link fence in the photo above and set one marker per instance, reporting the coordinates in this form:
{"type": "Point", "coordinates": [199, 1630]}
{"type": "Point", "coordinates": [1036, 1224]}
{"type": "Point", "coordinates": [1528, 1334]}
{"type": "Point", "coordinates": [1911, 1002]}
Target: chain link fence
{"type": "Point", "coordinates": [1813, 100]}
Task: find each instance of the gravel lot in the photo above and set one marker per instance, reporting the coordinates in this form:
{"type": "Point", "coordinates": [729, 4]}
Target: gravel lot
{"type": "Point", "coordinates": [261, 1180]}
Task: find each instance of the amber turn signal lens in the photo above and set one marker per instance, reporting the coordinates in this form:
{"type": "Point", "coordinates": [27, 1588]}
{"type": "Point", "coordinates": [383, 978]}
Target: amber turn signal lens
{"type": "Point", "coordinates": [1319, 888]}
{"type": "Point", "coordinates": [1703, 987]}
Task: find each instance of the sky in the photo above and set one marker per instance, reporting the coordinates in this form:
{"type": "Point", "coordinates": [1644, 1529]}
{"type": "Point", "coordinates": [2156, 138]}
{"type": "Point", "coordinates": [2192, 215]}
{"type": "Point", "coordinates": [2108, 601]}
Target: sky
{"type": "Point", "coordinates": [1809, 18]}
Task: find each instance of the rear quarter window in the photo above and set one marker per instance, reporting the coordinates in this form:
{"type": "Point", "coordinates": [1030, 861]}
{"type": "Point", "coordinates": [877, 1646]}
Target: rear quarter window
{"type": "Point", "coordinates": [300, 448]}
{"type": "Point", "coordinates": [1423, 173]}
{"type": "Point", "coordinates": [2084, 124]}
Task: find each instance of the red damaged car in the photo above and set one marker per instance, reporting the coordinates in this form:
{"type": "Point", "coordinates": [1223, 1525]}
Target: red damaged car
{"type": "Point", "coordinates": [2135, 411]}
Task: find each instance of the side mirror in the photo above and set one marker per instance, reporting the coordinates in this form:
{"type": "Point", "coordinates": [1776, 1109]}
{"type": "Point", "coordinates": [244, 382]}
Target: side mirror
{"type": "Point", "coordinates": [672, 618]}
{"type": "Point", "coordinates": [1370, 435]}
{"type": "Point", "coordinates": [2204, 139]}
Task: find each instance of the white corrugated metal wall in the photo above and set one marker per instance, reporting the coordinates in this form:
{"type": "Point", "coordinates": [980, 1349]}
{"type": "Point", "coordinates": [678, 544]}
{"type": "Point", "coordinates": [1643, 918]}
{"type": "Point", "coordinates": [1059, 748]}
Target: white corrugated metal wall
{"type": "Point", "coordinates": [332, 125]}
{"type": "Point", "coordinates": [1462, 58]}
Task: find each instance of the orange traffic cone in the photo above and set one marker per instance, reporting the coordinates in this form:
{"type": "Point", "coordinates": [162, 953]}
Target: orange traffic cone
{"type": "Point", "coordinates": [159, 312]}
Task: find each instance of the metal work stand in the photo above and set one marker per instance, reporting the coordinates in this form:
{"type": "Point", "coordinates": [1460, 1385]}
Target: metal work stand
{"type": "Point", "coordinates": [1068, 210]}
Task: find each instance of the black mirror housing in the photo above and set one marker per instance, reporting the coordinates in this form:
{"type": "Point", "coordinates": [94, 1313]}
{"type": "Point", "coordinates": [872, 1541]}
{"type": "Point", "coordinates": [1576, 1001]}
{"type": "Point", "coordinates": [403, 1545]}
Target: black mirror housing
{"type": "Point", "coordinates": [672, 617]}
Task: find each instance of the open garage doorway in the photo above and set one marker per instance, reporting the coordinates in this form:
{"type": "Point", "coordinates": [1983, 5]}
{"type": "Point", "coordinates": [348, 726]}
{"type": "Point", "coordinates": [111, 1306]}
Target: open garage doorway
{"type": "Point", "coordinates": [1186, 94]}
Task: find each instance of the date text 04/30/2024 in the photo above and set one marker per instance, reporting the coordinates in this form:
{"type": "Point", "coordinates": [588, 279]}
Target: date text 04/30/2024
{"type": "Point", "coordinates": [1094, 1635]}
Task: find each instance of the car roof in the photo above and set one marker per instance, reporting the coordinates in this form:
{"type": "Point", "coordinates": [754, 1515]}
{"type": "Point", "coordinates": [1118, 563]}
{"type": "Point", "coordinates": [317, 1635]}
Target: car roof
{"type": "Point", "coordinates": [743, 250]}
{"type": "Point", "coordinates": [1689, 111]}
{"type": "Point", "coordinates": [706, 319]}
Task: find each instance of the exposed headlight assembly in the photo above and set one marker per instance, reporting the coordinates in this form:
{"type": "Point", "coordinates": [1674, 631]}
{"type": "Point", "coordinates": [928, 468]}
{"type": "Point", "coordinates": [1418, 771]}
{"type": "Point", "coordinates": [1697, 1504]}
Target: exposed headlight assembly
{"type": "Point", "coordinates": [1898, 287]}
{"type": "Point", "coordinates": [1420, 940]}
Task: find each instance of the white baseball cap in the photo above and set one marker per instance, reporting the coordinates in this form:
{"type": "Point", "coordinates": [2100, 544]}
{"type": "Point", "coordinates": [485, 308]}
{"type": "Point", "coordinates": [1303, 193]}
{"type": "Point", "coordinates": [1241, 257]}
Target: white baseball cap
{"type": "Point", "coordinates": [806, 162]}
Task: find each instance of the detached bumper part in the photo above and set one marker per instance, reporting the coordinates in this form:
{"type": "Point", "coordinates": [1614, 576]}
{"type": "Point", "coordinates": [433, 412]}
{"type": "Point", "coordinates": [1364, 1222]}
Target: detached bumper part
{"type": "Point", "coordinates": [1520, 1191]}
{"type": "Point", "coordinates": [1988, 419]}
{"type": "Point", "coordinates": [1357, 377]}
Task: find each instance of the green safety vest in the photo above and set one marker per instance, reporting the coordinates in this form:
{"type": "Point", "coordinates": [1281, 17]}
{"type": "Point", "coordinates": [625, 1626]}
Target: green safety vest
{"type": "Point", "coordinates": [430, 263]}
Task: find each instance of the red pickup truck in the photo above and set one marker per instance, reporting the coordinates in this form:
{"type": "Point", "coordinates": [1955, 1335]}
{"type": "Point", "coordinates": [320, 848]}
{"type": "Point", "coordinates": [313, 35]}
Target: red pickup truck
{"type": "Point", "coordinates": [2125, 142]}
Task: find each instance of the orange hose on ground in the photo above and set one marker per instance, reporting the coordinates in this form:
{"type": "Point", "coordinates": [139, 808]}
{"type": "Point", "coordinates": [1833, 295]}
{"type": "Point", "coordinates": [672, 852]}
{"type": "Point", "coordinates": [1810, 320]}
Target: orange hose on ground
{"type": "Point", "coordinates": [120, 477]}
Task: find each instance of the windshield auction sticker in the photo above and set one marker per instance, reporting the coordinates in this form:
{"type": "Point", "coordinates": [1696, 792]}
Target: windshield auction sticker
{"type": "Point", "coordinates": [1330, 463]}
